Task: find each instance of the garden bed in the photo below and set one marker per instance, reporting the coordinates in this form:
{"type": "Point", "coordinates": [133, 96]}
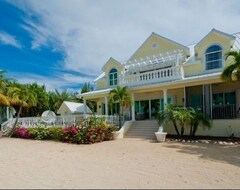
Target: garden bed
{"type": "Point", "coordinates": [96, 131]}
{"type": "Point", "coordinates": [205, 139]}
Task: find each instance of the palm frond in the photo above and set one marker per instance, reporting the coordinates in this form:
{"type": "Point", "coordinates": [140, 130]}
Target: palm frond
{"type": "Point", "coordinates": [3, 100]}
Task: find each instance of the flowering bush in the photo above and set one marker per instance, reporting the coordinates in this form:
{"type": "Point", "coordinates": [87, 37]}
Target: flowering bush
{"type": "Point", "coordinates": [21, 132]}
{"type": "Point", "coordinates": [98, 131]}
{"type": "Point", "coordinates": [69, 133]}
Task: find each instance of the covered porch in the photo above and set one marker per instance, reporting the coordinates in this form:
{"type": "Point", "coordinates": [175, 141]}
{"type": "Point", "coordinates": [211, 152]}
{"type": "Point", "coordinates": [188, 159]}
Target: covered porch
{"type": "Point", "coordinates": [218, 100]}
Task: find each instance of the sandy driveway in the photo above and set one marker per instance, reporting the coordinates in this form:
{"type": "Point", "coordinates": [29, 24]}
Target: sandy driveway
{"type": "Point", "coordinates": [127, 163]}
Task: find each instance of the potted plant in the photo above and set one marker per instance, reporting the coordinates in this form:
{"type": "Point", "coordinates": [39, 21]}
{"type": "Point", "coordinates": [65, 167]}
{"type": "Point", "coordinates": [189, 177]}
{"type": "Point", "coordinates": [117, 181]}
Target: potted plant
{"type": "Point", "coordinates": [161, 118]}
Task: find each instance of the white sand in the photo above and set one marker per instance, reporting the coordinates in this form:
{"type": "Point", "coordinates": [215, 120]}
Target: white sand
{"type": "Point", "coordinates": [127, 163]}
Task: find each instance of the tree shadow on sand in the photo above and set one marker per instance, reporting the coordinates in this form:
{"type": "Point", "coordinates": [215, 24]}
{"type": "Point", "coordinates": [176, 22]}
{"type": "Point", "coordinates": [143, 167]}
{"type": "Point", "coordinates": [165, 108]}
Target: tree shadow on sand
{"type": "Point", "coordinates": [223, 153]}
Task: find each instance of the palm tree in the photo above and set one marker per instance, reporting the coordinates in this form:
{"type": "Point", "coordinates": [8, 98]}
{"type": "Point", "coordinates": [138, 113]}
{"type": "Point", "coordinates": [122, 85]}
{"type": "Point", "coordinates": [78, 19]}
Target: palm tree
{"type": "Point", "coordinates": [22, 97]}
{"type": "Point", "coordinates": [197, 118]}
{"type": "Point", "coordinates": [183, 116]}
{"type": "Point", "coordinates": [120, 95]}
{"type": "Point", "coordinates": [56, 98]}
{"type": "Point", "coordinates": [164, 116]}
{"type": "Point", "coordinates": [3, 98]}
{"type": "Point", "coordinates": [233, 70]}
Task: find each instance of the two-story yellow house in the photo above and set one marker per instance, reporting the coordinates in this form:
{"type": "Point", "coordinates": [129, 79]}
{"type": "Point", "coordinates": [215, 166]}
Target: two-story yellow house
{"type": "Point", "coordinates": [162, 71]}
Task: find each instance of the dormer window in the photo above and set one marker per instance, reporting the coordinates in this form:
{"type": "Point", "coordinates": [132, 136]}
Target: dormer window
{"type": "Point", "coordinates": [113, 77]}
{"type": "Point", "coordinates": [213, 57]}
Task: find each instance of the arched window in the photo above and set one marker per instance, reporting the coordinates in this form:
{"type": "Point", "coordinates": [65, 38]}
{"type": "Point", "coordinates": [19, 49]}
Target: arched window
{"type": "Point", "coordinates": [113, 77]}
{"type": "Point", "coordinates": [213, 57]}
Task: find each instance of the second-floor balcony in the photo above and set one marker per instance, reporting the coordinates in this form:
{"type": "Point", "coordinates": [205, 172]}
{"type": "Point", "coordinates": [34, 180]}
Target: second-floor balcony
{"type": "Point", "coordinates": [151, 77]}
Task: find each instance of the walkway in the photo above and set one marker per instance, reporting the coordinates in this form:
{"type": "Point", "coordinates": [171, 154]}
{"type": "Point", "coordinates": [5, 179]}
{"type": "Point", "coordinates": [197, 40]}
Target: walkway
{"type": "Point", "coordinates": [126, 163]}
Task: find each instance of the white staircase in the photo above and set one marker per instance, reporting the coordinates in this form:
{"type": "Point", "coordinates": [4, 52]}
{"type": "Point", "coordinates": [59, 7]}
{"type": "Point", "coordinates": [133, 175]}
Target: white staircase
{"type": "Point", "coordinates": [143, 129]}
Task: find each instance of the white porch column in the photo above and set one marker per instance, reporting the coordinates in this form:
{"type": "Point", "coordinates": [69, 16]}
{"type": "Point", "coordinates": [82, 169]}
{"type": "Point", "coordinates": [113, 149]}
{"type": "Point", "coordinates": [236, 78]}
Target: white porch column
{"type": "Point", "coordinates": [106, 105]}
{"type": "Point", "coordinates": [165, 98]}
{"type": "Point", "coordinates": [8, 113]}
{"type": "Point", "coordinates": [133, 107]}
{"type": "Point", "coordinates": [85, 108]}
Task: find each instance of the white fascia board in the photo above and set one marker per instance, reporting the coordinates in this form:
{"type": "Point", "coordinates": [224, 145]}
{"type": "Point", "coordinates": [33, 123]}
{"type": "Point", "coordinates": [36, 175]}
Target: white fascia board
{"type": "Point", "coordinates": [99, 77]}
{"type": "Point", "coordinates": [93, 93]}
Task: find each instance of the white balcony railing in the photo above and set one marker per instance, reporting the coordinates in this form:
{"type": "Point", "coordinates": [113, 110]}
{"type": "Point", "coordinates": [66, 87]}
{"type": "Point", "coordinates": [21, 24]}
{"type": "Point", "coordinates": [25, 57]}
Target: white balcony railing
{"type": "Point", "coordinates": [156, 76]}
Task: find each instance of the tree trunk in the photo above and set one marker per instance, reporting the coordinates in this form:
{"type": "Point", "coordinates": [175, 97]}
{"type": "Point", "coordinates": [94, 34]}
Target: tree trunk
{"type": "Point", "coordinates": [176, 129]}
{"type": "Point", "coordinates": [194, 130]}
{"type": "Point", "coordinates": [182, 131]}
{"type": "Point", "coordinates": [191, 131]}
{"type": "Point", "coordinates": [120, 123]}
{"type": "Point", "coordinates": [15, 123]}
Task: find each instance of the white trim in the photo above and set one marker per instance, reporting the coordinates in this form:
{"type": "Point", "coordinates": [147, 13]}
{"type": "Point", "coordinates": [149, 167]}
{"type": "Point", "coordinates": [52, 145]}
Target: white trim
{"type": "Point", "coordinates": [111, 59]}
{"type": "Point", "coordinates": [214, 31]}
{"type": "Point", "coordinates": [114, 85]}
{"type": "Point", "coordinates": [160, 37]}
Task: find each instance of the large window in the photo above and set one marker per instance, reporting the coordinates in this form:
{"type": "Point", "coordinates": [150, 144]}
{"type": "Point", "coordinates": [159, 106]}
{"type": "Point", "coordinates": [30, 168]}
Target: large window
{"type": "Point", "coordinates": [213, 57]}
{"type": "Point", "coordinates": [113, 77]}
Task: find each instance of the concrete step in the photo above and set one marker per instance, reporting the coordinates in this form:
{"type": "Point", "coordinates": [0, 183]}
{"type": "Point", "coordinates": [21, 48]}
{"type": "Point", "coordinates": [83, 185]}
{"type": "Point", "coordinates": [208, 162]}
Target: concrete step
{"type": "Point", "coordinates": [143, 129]}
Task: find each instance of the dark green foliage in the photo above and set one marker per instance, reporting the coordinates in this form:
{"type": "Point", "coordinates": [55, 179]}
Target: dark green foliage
{"type": "Point", "coordinates": [183, 117]}
{"type": "Point", "coordinates": [232, 71]}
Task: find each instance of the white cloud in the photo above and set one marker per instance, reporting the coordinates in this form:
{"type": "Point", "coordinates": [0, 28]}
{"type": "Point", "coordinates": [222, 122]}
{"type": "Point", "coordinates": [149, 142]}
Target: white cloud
{"type": "Point", "coordinates": [89, 32]}
{"type": "Point", "coordinates": [64, 82]}
{"type": "Point", "coordinates": [8, 39]}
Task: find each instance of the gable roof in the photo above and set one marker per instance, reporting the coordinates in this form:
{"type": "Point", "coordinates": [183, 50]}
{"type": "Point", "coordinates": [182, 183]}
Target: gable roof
{"type": "Point", "coordinates": [160, 37]}
{"type": "Point", "coordinates": [99, 77]}
{"type": "Point", "coordinates": [111, 59]}
{"type": "Point", "coordinates": [74, 107]}
{"type": "Point", "coordinates": [216, 32]}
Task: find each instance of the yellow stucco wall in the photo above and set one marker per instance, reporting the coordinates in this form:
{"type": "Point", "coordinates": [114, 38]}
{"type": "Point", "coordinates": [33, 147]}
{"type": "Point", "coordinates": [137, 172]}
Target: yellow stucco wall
{"type": "Point", "coordinates": [111, 63]}
{"type": "Point", "coordinates": [219, 128]}
{"type": "Point", "coordinates": [102, 84]}
{"type": "Point", "coordinates": [212, 39]}
{"type": "Point", "coordinates": [193, 69]}
{"type": "Point", "coordinates": [162, 46]}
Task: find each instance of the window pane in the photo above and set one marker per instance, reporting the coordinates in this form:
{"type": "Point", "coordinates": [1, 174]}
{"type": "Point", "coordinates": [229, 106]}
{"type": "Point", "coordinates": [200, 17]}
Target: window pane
{"type": "Point", "coordinates": [110, 76]}
{"type": "Point", "coordinates": [218, 99]}
{"type": "Point", "coordinates": [111, 82]}
{"type": "Point", "coordinates": [230, 98]}
{"type": "Point", "coordinates": [113, 70]}
{"type": "Point", "coordinates": [213, 57]}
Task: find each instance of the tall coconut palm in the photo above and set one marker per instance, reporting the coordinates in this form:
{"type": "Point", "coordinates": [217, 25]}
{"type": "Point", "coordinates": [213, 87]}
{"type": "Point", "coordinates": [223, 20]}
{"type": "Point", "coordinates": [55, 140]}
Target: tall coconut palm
{"type": "Point", "coordinates": [22, 97]}
{"type": "Point", "coordinates": [121, 95]}
{"type": "Point", "coordinates": [232, 71]}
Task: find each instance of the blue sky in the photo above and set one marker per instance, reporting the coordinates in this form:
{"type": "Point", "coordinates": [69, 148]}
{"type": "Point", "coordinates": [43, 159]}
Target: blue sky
{"type": "Point", "coordinates": [63, 44]}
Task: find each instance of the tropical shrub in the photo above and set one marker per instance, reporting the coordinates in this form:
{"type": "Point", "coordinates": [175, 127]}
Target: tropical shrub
{"type": "Point", "coordinates": [21, 132]}
{"type": "Point", "coordinates": [98, 131]}
{"type": "Point", "coordinates": [183, 117]}
{"type": "Point", "coordinates": [69, 133]}
{"type": "Point", "coordinates": [55, 133]}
